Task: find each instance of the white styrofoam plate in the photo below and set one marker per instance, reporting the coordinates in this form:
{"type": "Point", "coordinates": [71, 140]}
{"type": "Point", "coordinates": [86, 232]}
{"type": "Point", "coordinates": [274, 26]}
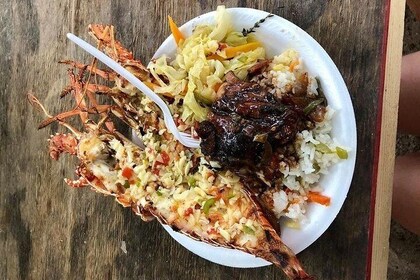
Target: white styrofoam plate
{"type": "Point", "coordinates": [277, 35]}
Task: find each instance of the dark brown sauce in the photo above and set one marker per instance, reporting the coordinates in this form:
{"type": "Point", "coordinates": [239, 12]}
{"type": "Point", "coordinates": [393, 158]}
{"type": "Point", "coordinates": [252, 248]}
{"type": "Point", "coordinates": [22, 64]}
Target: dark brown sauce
{"type": "Point", "coordinates": [246, 124]}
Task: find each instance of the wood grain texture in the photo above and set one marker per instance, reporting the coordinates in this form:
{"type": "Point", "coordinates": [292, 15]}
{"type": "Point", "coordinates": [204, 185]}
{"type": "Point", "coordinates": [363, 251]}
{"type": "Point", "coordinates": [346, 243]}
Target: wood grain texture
{"type": "Point", "coordinates": [392, 74]}
{"type": "Point", "coordinates": [50, 231]}
{"type": "Point", "coordinates": [415, 7]}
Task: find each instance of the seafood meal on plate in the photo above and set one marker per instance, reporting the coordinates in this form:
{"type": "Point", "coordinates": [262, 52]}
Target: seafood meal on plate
{"type": "Point", "coordinates": [265, 130]}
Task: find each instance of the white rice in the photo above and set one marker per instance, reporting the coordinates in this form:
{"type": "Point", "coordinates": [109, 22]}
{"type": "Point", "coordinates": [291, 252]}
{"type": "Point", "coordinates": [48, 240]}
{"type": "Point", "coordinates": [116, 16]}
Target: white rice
{"type": "Point", "coordinates": [305, 174]}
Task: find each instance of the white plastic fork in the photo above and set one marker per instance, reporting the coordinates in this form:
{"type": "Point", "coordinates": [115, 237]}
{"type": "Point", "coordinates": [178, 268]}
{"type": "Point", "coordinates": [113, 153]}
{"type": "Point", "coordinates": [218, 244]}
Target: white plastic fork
{"type": "Point", "coordinates": [185, 138]}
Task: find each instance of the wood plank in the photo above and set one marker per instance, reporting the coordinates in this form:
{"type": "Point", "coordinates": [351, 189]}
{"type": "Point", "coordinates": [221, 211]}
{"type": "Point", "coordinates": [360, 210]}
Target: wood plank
{"type": "Point", "coordinates": [415, 7]}
{"type": "Point", "coordinates": [382, 214]}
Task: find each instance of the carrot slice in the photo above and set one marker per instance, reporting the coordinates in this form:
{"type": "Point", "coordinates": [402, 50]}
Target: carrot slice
{"type": "Point", "coordinates": [233, 51]}
{"type": "Point", "coordinates": [293, 64]}
{"type": "Point", "coordinates": [127, 172]}
{"type": "Point", "coordinates": [319, 198]}
{"type": "Point", "coordinates": [217, 86]}
{"type": "Point", "coordinates": [178, 36]}
{"type": "Point", "coordinates": [165, 157]}
{"type": "Point", "coordinates": [215, 57]}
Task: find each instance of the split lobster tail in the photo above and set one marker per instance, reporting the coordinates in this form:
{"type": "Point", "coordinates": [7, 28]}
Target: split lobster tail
{"type": "Point", "coordinates": [274, 250]}
{"type": "Point", "coordinates": [283, 257]}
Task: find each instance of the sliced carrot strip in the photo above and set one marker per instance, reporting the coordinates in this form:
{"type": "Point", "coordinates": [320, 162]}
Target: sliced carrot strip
{"type": "Point", "coordinates": [319, 198]}
{"type": "Point", "coordinates": [215, 57]}
{"type": "Point", "coordinates": [233, 51]}
{"type": "Point", "coordinates": [178, 36]}
{"type": "Point", "coordinates": [217, 86]}
{"type": "Point", "coordinates": [127, 172]}
{"type": "Point", "coordinates": [293, 64]}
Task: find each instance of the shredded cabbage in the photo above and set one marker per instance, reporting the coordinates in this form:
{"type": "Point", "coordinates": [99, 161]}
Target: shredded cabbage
{"type": "Point", "coordinates": [241, 63]}
{"type": "Point", "coordinates": [176, 77]}
{"type": "Point", "coordinates": [236, 39]}
{"type": "Point", "coordinates": [192, 109]}
{"type": "Point", "coordinates": [223, 24]}
{"type": "Point", "coordinates": [195, 73]}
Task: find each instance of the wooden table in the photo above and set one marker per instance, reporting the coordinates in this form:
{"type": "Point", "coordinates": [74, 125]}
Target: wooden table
{"type": "Point", "coordinates": [50, 231]}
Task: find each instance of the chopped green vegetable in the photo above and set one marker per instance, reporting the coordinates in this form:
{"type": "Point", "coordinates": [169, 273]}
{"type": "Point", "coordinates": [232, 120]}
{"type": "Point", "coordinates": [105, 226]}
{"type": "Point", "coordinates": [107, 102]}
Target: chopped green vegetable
{"type": "Point", "coordinates": [242, 59]}
{"type": "Point", "coordinates": [209, 203]}
{"type": "Point", "coordinates": [231, 195]}
{"type": "Point", "coordinates": [316, 166]}
{"type": "Point", "coordinates": [321, 92]}
{"type": "Point", "coordinates": [126, 184]}
{"type": "Point", "coordinates": [311, 106]}
{"type": "Point", "coordinates": [341, 153]}
{"type": "Point", "coordinates": [158, 193]}
{"type": "Point", "coordinates": [248, 230]}
{"type": "Point", "coordinates": [321, 147]}
{"type": "Point", "coordinates": [192, 182]}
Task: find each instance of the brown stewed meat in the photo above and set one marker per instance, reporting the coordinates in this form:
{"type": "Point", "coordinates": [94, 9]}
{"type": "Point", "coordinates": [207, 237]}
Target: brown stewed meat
{"type": "Point", "coordinates": [250, 130]}
{"type": "Point", "coordinates": [247, 123]}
